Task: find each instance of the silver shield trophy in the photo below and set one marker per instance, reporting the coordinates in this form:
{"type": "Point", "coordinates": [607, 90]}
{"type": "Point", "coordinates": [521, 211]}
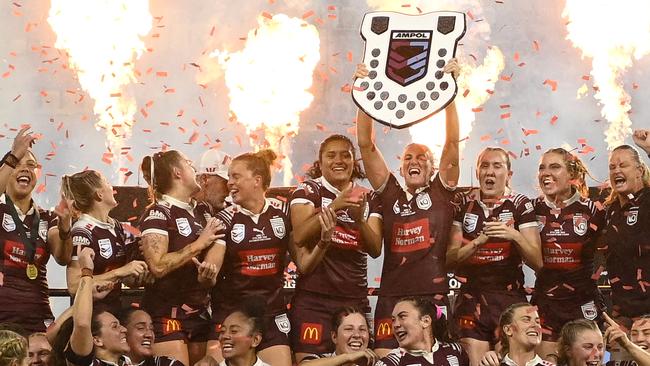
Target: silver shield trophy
{"type": "Point", "coordinates": [405, 55]}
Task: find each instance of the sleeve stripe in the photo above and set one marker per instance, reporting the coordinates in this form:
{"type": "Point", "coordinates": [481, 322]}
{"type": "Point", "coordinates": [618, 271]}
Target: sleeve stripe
{"type": "Point", "coordinates": [527, 225]}
{"type": "Point", "coordinates": [301, 201]}
{"type": "Point", "coordinates": [155, 231]}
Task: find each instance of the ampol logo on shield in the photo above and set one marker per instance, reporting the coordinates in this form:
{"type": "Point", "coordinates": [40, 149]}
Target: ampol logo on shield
{"type": "Point", "coordinates": [408, 56]}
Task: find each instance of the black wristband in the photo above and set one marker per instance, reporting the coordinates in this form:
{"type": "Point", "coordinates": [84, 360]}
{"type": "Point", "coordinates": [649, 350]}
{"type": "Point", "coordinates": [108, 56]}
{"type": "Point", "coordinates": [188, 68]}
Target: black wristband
{"type": "Point", "coordinates": [10, 160]}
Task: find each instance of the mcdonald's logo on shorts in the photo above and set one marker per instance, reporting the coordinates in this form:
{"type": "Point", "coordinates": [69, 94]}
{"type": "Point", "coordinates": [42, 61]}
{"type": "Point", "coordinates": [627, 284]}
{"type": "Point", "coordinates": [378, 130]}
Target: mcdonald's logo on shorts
{"type": "Point", "coordinates": [311, 333]}
{"type": "Point", "coordinates": [171, 326]}
{"type": "Point", "coordinates": [384, 329]}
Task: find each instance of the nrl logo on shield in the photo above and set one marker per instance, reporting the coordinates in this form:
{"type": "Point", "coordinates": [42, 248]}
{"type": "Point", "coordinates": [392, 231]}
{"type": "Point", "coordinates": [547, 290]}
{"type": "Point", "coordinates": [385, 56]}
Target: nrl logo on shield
{"type": "Point", "coordinates": [278, 227]}
{"type": "Point", "coordinates": [632, 217]}
{"type": "Point", "coordinates": [580, 225]}
{"type": "Point", "coordinates": [237, 233]}
{"type": "Point", "coordinates": [183, 226]}
{"type": "Point", "coordinates": [469, 222]}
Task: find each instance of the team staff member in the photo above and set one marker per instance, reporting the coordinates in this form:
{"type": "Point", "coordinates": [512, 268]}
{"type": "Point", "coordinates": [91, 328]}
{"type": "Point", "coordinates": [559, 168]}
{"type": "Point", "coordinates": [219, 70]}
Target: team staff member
{"type": "Point", "coordinates": [413, 321]}
{"type": "Point", "coordinates": [339, 277]}
{"type": "Point", "coordinates": [570, 224]}
{"type": "Point", "coordinates": [494, 228]}
{"type": "Point", "coordinates": [627, 232]}
{"type": "Point", "coordinates": [28, 236]}
{"type": "Point", "coordinates": [92, 195]}
{"type": "Point", "coordinates": [257, 241]}
{"type": "Point", "coordinates": [416, 219]}
{"type": "Point", "coordinates": [213, 179]}
{"type": "Point", "coordinates": [177, 236]}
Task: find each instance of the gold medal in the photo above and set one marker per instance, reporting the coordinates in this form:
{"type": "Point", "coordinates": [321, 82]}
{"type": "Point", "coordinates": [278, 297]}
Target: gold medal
{"type": "Point", "coordinates": [32, 271]}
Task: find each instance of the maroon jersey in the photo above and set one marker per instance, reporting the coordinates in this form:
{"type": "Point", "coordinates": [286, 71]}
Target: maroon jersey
{"type": "Point", "coordinates": [627, 237]}
{"type": "Point", "coordinates": [110, 242]}
{"type": "Point", "coordinates": [18, 293]}
{"type": "Point", "coordinates": [256, 253]}
{"type": "Point", "coordinates": [343, 269]}
{"type": "Point", "coordinates": [416, 234]}
{"type": "Point", "coordinates": [182, 223]}
{"type": "Point", "coordinates": [497, 263]}
{"type": "Point", "coordinates": [442, 354]}
{"type": "Point", "coordinates": [568, 245]}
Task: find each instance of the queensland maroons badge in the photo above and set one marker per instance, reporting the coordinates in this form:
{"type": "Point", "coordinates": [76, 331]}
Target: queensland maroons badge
{"type": "Point", "coordinates": [405, 56]}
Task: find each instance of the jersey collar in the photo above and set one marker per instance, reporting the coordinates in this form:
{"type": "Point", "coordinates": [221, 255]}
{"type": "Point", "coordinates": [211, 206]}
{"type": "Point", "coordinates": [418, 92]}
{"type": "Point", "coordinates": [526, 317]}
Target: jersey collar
{"type": "Point", "coordinates": [110, 225]}
{"type": "Point", "coordinates": [534, 361]}
{"type": "Point", "coordinates": [574, 198]}
{"type": "Point", "coordinates": [254, 216]}
{"type": "Point", "coordinates": [189, 207]}
{"type": "Point", "coordinates": [329, 186]}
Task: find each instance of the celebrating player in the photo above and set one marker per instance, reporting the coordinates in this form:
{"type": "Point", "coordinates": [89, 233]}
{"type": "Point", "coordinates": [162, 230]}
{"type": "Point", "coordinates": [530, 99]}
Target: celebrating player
{"type": "Point", "coordinates": [569, 225]}
{"type": "Point", "coordinates": [350, 335]}
{"type": "Point", "coordinates": [339, 277]}
{"type": "Point", "coordinates": [420, 330]}
{"type": "Point", "coordinates": [416, 219]}
{"type": "Point", "coordinates": [29, 235]}
{"type": "Point", "coordinates": [494, 228]}
{"type": "Point", "coordinates": [627, 232]}
{"type": "Point", "coordinates": [92, 195]}
{"type": "Point", "coordinates": [257, 240]}
{"type": "Point", "coordinates": [179, 240]}
{"type": "Point", "coordinates": [141, 338]}
{"type": "Point", "coordinates": [580, 344]}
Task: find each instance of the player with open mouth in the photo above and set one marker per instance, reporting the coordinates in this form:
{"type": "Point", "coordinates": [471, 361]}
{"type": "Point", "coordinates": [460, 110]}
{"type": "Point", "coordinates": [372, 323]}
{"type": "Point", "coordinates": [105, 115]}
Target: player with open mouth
{"type": "Point", "coordinates": [627, 232]}
{"type": "Point", "coordinates": [416, 218]}
{"type": "Point", "coordinates": [494, 229]}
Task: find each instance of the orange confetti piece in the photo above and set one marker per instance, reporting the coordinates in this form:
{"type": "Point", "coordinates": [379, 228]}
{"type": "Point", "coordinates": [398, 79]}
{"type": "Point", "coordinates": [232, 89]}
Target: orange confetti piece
{"type": "Point", "coordinates": [308, 14]}
{"type": "Point", "coordinates": [536, 46]}
{"type": "Point", "coordinates": [477, 110]}
{"type": "Point", "coordinates": [267, 15]}
{"type": "Point", "coordinates": [551, 83]}
{"type": "Point", "coordinates": [529, 132]}
{"type": "Point", "coordinates": [505, 115]}
{"type": "Point", "coordinates": [554, 120]}
{"type": "Point", "coordinates": [161, 73]}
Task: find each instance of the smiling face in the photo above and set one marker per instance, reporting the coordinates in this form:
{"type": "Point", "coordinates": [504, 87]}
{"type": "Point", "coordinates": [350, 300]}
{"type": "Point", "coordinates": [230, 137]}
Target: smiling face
{"type": "Point", "coordinates": [525, 329]}
{"type": "Point", "coordinates": [139, 335]}
{"type": "Point", "coordinates": [214, 190]}
{"type": "Point", "coordinates": [625, 173]}
{"type": "Point", "coordinates": [352, 335]}
{"type": "Point", "coordinates": [337, 162]}
{"type": "Point", "coordinates": [640, 333]}
{"type": "Point", "coordinates": [553, 176]}
{"type": "Point", "coordinates": [493, 173]}
{"type": "Point", "coordinates": [112, 335]}
{"type": "Point", "coordinates": [587, 350]}
{"type": "Point", "coordinates": [242, 184]}
{"type": "Point", "coordinates": [417, 166]}
{"type": "Point", "coordinates": [237, 338]}
{"type": "Point", "coordinates": [39, 350]}
{"type": "Point", "coordinates": [411, 329]}
{"type": "Point", "coordinates": [22, 180]}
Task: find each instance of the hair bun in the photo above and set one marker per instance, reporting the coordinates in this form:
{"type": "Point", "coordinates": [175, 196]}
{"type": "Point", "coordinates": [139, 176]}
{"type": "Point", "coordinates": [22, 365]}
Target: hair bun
{"type": "Point", "coordinates": [268, 155]}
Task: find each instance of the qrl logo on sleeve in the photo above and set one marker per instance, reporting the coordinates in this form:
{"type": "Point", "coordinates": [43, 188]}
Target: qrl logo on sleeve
{"type": "Point", "coordinates": [406, 55]}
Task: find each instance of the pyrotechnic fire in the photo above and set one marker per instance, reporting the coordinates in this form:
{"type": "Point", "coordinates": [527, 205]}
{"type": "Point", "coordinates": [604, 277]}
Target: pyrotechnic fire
{"type": "Point", "coordinates": [102, 40]}
{"type": "Point", "coordinates": [611, 33]}
{"type": "Point", "coordinates": [268, 80]}
{"type": "Point", "coordinates": [475, 84]}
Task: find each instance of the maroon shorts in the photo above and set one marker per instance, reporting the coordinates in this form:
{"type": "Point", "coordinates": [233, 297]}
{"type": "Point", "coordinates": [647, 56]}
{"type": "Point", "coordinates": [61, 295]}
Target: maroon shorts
{"type": "Point", "coordinates": [383, 317]}
{"type": "Point", "coordinates": [476, 314]}
{"type": "Point", "coordinates": [186, 323]}
{"type": "Point", "coordinates": [276, 328]}
{"type": "Point", "coordinates": [311, 318]}
{"type": "Point", "coordinates": [28, 320]}
{"type": "Point", "coordinates": [554, 313]}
